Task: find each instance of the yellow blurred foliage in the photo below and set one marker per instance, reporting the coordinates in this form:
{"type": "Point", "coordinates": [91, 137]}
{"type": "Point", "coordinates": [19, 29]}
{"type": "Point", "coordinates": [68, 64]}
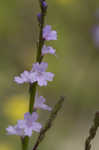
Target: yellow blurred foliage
{"type": "Point", "coordinates": [15, 107]}
{"type": "Point", "coordinates": [64, 1]}
{"type": "Point", "coordinates": [5, 146]}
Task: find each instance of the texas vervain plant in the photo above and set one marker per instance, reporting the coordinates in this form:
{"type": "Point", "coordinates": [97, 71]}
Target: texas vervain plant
{"type": "Point", "coordinates": [37, 76]}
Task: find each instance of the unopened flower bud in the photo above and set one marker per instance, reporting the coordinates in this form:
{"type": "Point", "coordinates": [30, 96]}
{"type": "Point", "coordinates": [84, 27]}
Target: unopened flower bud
{"type": "Point", "coordinates": [39, 17]}
{"type": "Point", "coordinates": [44, 4]}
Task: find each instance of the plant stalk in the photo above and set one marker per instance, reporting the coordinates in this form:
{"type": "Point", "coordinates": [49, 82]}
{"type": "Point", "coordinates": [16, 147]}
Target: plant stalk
{"type": "Point", "coordinates": [92, 132]}
{"type": "Point", "coordinates": [32, 88]}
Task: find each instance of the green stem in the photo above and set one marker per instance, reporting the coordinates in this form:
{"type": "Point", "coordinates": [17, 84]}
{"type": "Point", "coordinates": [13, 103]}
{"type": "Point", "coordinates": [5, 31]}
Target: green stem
{"type": "Point", "coordinates": [41, 40]}
{"type": "Point", "coordinates": [32, 96]}
{"type": "Point", "coordinates": [32, 88]}
{"type": "Point", "coordinates": [25, 142]}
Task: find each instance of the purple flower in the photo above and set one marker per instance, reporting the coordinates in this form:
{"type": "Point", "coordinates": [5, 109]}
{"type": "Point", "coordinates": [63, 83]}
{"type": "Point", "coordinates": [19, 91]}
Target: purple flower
{"type": "Point", "coordinates": [25, 77]}
{"type": "Point", "coordinates": [48, 50]}
{"type": "Point", "coordinates": [15, 130]}
{"type": "Point", "coordinates": [39, 103]}
{"type": "Point", "coordinates": [44, 4]}
{"type": "Point", "coordinates": [39, 74]}
{"type": "Point", "coordinates": [39, 67]}
{"type": "Point", "coordinates": [49, 34]}
{"type": "Point", "coordinates": [11, 130]}
{"type": "Point", "coordinates": [95, 34]}
{"type": "Point", "coordinates": [25, 127]}
{"type": "Point", "coordinates": [39, 17]}
{"type": "Point", "coordinates": [31, 124]}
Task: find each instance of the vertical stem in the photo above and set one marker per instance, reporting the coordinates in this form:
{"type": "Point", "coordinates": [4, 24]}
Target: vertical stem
{"type": "Point", "coordinates": [41, 40]}
{"type": "Point", "coordinates": [32, 91]}
{"type": "Point", "coordinates": [32, 88]}
{"type": "Point", "coordinates": [25, 142]}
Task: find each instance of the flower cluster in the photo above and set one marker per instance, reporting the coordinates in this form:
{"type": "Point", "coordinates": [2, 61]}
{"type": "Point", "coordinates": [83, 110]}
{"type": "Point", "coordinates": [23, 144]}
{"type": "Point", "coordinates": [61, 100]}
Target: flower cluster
{"type": "Point", "coordinates": [28, 125]}
{"type": "Point", "coordinates": [25, 127]}
{"type": "Point", "coordinates": [39, 75]}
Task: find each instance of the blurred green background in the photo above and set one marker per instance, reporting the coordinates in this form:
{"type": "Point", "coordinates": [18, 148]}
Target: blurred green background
{"type": "Point", "coordinates": [76, 68]}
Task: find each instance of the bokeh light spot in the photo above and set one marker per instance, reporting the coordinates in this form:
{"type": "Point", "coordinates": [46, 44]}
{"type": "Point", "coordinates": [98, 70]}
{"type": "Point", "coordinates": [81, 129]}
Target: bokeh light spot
{"type": "Point", "coordinates": [5, 146]}
{"type": "Point", "coordinates": [15, 107]}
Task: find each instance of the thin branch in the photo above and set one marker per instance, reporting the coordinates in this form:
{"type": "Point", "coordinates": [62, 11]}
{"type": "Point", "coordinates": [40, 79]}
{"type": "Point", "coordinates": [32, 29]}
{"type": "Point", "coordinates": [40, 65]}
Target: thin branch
{"type": "Point", "coordinates": [49, 122]}
{"type": "Point", "coordinates": [92, 131]}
